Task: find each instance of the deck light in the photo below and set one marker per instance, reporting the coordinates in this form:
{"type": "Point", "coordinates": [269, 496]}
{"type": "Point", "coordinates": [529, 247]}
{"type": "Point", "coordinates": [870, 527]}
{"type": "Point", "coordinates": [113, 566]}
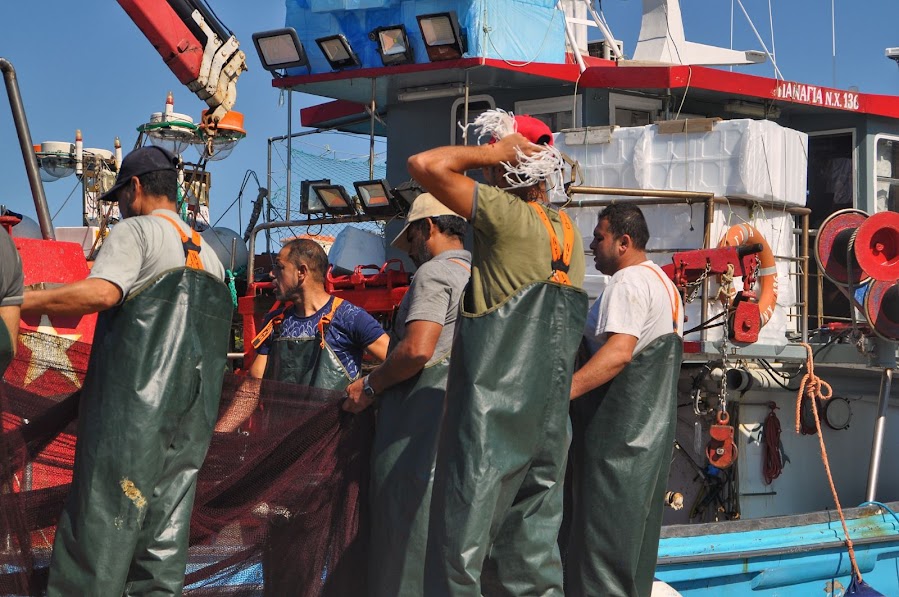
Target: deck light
{"type": "Point", "coordinates": [309, 201]}
{"type": "Point", "coordinates": [335, 199]}
{"type": "Point", "coordinates": [405, 194]}
{"type": "Point", "coordinates": [393, 44]}
{"type": "Point", "coordinates": [279, 49]}
{"type": "Point", "coordinates": [217, 143]}
{"type": "Point", "coordinates": [337, 51]}
{"type": "Point", "coordinates": [443, 39]}
{"type": "Point", "coordinates": [56, 159]}
{"type": "Point", "coordinates": [376, 198]}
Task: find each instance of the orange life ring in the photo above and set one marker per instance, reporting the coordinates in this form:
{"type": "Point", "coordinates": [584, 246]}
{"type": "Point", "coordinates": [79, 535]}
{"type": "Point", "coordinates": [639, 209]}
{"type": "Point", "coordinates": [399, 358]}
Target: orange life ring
{"type": "Point", "coordinates": [744, 234]}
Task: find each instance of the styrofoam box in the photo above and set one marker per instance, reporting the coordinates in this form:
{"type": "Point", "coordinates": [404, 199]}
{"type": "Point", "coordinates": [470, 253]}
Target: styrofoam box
{"type": "Point", "coordinates": [674, 228]}
{"type": "Point", "coordinates": [83, 235]}
{"type": "Point", "coordinates": [754, 159]}
{"type": "Point", "coordinates": [354, 247]}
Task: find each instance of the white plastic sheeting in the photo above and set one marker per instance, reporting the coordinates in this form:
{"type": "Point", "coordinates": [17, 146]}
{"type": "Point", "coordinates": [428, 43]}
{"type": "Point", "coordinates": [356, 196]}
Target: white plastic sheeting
{"type": "Point", "coordinates": [739, 158]}
{"type": "Point", "coordinates": [753, 159]}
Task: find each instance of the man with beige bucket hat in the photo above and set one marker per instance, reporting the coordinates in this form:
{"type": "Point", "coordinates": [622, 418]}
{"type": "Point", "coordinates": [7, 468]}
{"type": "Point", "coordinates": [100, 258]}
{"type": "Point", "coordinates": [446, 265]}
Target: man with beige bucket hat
{"type": "Point", "coordinates": [409, 389]}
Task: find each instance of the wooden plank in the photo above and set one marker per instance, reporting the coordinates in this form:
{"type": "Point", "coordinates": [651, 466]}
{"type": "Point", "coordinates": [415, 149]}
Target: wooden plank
{"type": "Point", "coordinates": [690, 125]}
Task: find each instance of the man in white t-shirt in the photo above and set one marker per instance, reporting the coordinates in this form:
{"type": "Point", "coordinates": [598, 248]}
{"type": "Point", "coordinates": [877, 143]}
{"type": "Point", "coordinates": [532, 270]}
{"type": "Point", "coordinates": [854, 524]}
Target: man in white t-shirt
{"type": "Point", "coordinates": [623, 415]}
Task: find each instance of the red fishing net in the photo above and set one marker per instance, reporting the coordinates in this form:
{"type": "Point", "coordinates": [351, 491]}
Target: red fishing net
{"type": "Point", "coordinates": [279, 507]}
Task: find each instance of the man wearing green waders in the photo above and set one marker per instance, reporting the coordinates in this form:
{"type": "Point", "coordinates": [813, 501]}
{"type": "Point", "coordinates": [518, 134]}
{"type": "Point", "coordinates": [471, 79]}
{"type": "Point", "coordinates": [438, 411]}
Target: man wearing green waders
{"type": "Point", "coordinates": [11, 291]}
{"type": "Point", "coordinates": [623, 415]}
{"type": "Point", "coordinates": [151, 394]}
{"type": "Point", "coordinates": [497, 503]}
{"type": "Point", "coordinates": [409, 388]}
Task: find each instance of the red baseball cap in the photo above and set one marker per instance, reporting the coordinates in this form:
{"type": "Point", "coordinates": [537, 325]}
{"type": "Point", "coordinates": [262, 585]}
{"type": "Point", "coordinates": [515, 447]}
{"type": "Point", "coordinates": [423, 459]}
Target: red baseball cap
{"type": "Point", "coordinates": [533, 129]}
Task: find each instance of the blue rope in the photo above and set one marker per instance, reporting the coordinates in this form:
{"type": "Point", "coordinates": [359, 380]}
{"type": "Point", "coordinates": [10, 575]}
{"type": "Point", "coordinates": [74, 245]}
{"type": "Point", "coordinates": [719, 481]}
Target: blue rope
{"type": "Point", "coordinates": [230, 275]}
{"type": "Point", "coordinates": [880, 505]}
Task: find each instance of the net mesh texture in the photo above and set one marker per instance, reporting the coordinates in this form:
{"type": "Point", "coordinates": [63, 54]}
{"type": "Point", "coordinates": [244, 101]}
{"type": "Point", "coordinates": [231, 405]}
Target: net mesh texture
{"type": "Point", "coordinates": [279, 508]}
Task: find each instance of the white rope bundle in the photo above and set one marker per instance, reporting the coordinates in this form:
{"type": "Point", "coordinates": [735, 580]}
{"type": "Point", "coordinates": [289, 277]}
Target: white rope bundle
{"type": "Point", "coordinates": [529, 170]}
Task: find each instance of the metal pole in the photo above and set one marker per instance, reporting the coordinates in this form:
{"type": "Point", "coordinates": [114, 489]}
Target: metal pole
{"type": "Point", "coordinates": [883, 403]}
{"type": "Point", "coordinates": [268, 202]}
{"type": "Point", "coordinates": [572, 41]}
{"type": "Point", "coordinates": [371, 138]}
{"type": "Point", "coordinates": [289, 148]}
{"type": "Point", "coordinates": [803, 325]}
{"type": "Point", "coordinates": [708, 219]}
{"type": "Point", "coordinates": [27, 145]}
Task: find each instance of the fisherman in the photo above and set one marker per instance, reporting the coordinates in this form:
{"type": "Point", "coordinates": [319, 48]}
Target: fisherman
{"type": "Point", "coordinates": [624, 413]}
{"type": "Point", "coordinates": [310, 338]}
{"type": "Point", "coordinates": [11, 290]}
{"type": "Point", "coordinates": [409, 387]}
{"type": "Point", "coordinates": [150, 395]}
{"type": "Point", "coordinates": [497, 502]}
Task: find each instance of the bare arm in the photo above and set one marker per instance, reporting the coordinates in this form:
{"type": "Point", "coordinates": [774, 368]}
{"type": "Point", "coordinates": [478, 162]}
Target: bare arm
{"type": "Point", "coordinates": [602, 367]}
{"type": "Point", "coordinates": [78, 298]}
{"type": "Point", "coordinates": [408, 358]}
{"type": "Point", "coordinates": [10, 317]}
{"type": "Point", "coordinates": [378, 348]}
{"type": "Point", "coordinates": [440, 170]}
{"type": "Point", "coordinates": [247, 398]}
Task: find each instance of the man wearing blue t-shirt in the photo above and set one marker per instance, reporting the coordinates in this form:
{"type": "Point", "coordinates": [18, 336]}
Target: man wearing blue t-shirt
{"type": "Point", "coordinates": [313, 339]}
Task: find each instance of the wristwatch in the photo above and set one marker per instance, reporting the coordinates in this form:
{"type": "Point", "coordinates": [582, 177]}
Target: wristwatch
{"type": "Point", "coordinates": [366, 387]}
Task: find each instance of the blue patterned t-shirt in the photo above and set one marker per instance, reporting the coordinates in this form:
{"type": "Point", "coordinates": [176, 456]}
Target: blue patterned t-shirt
{"type": "Point", "coordinates": [351, 330]}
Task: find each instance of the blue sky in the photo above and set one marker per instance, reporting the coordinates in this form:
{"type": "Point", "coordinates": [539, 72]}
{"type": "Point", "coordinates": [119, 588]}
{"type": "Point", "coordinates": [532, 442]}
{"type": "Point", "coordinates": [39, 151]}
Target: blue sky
{"type": "Point", "coordinates": [84, 64]}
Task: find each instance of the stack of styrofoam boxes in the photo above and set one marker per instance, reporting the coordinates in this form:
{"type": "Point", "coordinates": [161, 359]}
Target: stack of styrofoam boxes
{"type": "Point", "coordinates": [740, 158]}
{"type": "Point", "coordinates": [353, 247]}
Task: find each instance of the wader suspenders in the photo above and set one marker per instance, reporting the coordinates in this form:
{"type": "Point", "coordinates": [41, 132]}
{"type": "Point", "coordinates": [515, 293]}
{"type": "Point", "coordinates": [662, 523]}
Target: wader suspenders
{"type": "Point", "coordinates": [561, 256]}
{"type": "Point", "coordinates": [461, 263]}
{"type": "Point", "coordinates": [675, 304]}
{"type": "Point", "coordinates": [190, 243]}
{"type": "Point", "coordinates": [278, 310]}
{"type": "Point", "coordinates": [327, 318]}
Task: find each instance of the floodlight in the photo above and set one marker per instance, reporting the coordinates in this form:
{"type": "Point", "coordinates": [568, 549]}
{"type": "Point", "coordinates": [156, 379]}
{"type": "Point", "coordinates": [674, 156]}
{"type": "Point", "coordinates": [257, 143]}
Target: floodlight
{"type": "Point", "coordinates": [335, 199]}
{"type": "Point", "coordinates": [337, 51]}
{"type": "Point", "coordinates": [405, 194]}
{"type": "Point", "coordinates": [393, 44]}
{"type": "Point", "coordinates": [280, 48]}
{"type": "Point", "coordinates": [309, 201]}
{"type": "Point", "coordinates": [893, 54]}
{"type": "Point", "coordinates": [375, 198]}
{"type": "Point", "coordinates": [442, 36]}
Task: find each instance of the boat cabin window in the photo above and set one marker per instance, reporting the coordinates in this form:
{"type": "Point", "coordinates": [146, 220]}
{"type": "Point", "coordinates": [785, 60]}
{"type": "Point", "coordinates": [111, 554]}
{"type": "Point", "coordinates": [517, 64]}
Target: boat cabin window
{"type": "Point", "coordinates": [558, 113]}
{"type": "Point", "coordinates": [477, 105]}
{"type": "Point", "coordinates": [630, 110]}
{"type": "Point", "coordinates": [886, 170]}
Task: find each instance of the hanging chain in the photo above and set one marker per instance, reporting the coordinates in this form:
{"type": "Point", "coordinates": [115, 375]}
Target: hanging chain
{"type": "Point", "coordinates": [692, 288]}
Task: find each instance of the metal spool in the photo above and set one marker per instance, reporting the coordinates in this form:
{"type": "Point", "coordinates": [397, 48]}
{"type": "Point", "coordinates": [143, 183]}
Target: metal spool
{"type": "Point", "coordinates": [881, 308]}
{"type": "Point", "coordinates": [877, 246]}
{"type": "Point", "coordinates": [832, 247]}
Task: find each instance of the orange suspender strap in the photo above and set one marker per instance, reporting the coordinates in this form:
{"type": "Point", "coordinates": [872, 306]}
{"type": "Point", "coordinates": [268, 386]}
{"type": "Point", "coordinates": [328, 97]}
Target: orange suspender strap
{"type": "Point", "coordinates": [278, 309]}
{"type": "Point", "coordinates": [561, 257]}
{"type": "Point", "coordinates": [327, 318]}
{"type": "Point", "coordinates": [191, 244]}
{"type": "Point", "coordinates": [675, 304]}
{"type": "Point", "coordinates": [460, 262]}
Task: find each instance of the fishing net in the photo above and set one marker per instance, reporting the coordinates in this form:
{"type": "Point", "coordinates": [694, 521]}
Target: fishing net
{"type": "Point", "coordinates": [277, 510]}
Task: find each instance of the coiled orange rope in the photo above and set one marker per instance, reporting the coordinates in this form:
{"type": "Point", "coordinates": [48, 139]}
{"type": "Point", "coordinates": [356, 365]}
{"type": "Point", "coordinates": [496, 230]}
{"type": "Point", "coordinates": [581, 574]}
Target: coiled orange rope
{"type": "Point", "coordinates": [814, 388]}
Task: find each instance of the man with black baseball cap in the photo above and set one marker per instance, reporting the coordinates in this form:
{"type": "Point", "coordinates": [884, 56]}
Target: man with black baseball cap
{"type": "Point", "coordinates": [151, 393]}
{"type": "Point", "coordinates": [497, 502]}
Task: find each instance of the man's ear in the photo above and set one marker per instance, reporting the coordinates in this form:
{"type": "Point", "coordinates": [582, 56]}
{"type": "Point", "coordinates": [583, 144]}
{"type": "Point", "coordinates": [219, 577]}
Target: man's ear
{"type": "Point", "coordinates": [625, 241]}
{"type": "Point", "coordinates": [432, 228]}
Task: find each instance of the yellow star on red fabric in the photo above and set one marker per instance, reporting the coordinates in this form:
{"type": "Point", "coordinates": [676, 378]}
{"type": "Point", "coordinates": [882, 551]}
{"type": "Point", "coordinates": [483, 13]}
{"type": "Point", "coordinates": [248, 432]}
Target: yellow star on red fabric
{"type": "Point", "coordinates": [51, 352]}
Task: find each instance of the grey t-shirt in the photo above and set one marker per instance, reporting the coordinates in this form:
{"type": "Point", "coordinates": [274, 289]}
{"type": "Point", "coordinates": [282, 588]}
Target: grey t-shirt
{"type": "Point", "coordinates": [434, 296]}
{"type": "Point", "coordinates": [11, 280]}
{"type": "Point", "coordinates": [141, 247]}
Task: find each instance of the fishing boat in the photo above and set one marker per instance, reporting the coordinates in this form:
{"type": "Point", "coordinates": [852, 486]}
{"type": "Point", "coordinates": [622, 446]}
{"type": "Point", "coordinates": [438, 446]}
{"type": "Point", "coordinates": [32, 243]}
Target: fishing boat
{"type": "Point", "coordinates": [773, 491]}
